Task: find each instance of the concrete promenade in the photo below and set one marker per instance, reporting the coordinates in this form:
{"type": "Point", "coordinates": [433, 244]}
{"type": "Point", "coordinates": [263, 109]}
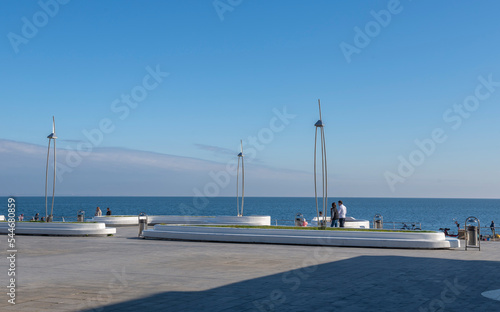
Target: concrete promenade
{"type": "Point", "coordinates": [123, 273]}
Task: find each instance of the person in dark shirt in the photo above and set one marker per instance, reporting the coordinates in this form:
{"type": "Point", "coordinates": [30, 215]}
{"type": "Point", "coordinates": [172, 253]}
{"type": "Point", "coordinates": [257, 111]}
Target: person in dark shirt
{"type": "Point", "coordinates": [335, 215]}
{"type": "Point", "coordinates": [108, 211]}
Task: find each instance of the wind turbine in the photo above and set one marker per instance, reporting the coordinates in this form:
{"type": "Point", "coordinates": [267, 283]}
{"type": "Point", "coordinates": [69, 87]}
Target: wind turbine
{"type": "Point", "coordinates": [51, 136]}
{"type": "Point", "coordinates": [240, 156]}
{"type": "Point", "coordinates": [324, 175]}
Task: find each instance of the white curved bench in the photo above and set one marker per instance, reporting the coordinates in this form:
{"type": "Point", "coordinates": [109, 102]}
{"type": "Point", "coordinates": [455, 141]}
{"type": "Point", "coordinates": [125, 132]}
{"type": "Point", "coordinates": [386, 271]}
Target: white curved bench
{"type": "Point", "coordinates": [58, 228]}
{"type": "Point", "coordinates": [381, 239]}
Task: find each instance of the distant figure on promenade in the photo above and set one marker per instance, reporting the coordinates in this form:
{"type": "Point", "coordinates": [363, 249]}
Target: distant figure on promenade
{"type": "Point", "coordinates": [303, 222]}
{"type": "Point", "coordinates": [342, 214]}
{"type": "Point", "coordinates": [458, 225]}
{"type": "Point", "coordinates": [42, 219]}
{"type": "Point", "coordinates": [98, 212]}
{"type": "Point", "coordinates": [335, 215]}
{"type": "Point", "coordinates": [37, 216]}
{"type": "Point", "coordinates": [492, 227]}
{"type": "Point", "coordinates": [20, 217]}
{"type": "Point", "coordinates": [108, 212]}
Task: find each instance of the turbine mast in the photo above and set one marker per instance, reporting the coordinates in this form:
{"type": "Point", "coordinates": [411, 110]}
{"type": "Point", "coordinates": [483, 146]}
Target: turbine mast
{"type": "Point", "coordinates": [324, 171]}
{"type": "Point", "coordinates": [240, 156]}
{"type": "Point", "coordinates": [52, 136]}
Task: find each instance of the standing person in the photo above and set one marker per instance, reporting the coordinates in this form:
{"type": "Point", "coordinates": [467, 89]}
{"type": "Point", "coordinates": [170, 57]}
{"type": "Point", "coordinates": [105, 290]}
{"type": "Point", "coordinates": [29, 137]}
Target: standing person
{"type": "Point", "coordinates": [37, 217]}
{"type": "Point", "coordinates": [492, 227]}
{"type": "Point", "coordinates": [335, 215]}
{"type": "Point", "coordinates": [108, 212]}
{"type": "Point", "coordinates": [342, 214]}
{"type": "Point", "coordinates": [458, 225]}
{"type": "Point", "coordinates": [98, 212]}
{"type": "Point", "coordinates": [21, 217]}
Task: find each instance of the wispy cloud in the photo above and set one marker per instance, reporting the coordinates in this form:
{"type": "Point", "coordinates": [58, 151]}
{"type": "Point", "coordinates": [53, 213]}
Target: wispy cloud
{"type": "Point", "coordinates": [216, 149]}
{"type": "Point", "coordinates": [120, 171]}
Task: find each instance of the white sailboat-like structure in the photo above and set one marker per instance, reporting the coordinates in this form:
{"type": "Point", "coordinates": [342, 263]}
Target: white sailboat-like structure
{"type": "Point", "coordinates": [324, 171]}
{"type": "Point", "coordinates": [240, 156]}
{"type": "Point", "coordinates": [51, 136]}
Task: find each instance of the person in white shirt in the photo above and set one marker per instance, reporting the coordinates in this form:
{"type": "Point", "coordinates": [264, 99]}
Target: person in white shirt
{"type": "Point", "coordinates": [98, 212]}
{"type": "Point", "coordinates": [342, 214]}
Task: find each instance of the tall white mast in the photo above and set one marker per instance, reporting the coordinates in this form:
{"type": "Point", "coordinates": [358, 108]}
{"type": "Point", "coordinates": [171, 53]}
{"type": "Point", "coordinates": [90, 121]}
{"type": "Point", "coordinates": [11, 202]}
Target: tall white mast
{"type": "Point", "coordinates": [51, 136]}
{"type": "Point", "coordinates": [240, 156]}
{"type": "Point", "coordinates": [324, 172]}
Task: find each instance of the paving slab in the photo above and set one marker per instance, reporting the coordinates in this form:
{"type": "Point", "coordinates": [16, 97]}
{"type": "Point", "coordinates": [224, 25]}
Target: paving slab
{"type": "Point", "coordinates": [124, 273]}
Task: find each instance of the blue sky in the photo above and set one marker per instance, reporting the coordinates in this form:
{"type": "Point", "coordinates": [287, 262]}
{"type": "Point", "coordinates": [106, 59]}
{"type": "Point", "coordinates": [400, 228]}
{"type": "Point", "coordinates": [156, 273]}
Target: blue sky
{"type": "Point", "coordinates": [231, 66]}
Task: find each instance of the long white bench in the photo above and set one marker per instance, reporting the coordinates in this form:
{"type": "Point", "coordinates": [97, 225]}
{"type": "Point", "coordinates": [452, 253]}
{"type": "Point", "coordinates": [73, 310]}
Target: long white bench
{"type": "Point", "coordinates": [152, 220]}
{"type": "Point", "coordinates": [58, 228]}
{"type": "Point", "coordinates": [381, 239]}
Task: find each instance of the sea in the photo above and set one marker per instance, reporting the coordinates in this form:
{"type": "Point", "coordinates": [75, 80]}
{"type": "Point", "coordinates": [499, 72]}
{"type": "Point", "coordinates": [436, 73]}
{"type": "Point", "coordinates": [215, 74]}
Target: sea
{"type": "Point", "coordinates": [428, 213]}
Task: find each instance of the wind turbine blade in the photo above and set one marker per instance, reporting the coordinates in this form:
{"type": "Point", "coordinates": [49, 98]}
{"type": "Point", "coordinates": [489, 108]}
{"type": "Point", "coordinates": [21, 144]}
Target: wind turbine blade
{"type": "Point", "coordinates": [319, 104]}
{"type": "Point", "coordinates": [241, 145]}
{"type": "Point", "coordinates": [53, 125]}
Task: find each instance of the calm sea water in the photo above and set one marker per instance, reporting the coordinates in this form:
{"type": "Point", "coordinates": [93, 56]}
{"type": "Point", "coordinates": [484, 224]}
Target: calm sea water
{"type": "Point", "coordinates": [431, 213]}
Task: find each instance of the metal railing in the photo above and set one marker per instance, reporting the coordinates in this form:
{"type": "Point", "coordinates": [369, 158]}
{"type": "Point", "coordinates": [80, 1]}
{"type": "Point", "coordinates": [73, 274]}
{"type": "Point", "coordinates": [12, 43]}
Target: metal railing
{"type": "Point", "coordinates": [490, 232]}
{"type": "Point", "coordinates": [401, 225]}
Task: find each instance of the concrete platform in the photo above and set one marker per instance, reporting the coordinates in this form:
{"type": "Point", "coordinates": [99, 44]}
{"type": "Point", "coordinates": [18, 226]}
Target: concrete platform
{"type": "Point", "coordinates": [58, 228]}
{"type": "Point", "coordinates": [2, 218]}
{"type": "Point", "coordinates": [379, 239]}
{"type": "Point", "coordinates": [123, 273]}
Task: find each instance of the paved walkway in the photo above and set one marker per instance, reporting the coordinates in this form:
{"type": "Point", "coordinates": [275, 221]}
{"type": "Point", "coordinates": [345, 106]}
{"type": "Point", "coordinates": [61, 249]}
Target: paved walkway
{"type": "Point", "coordinates": [123, 273]}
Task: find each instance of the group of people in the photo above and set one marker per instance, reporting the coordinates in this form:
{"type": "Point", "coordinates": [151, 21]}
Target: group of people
{"type": "Point", "coordinates": [98, 212]}
{"type": "Point", "coordinates": [338, 214]}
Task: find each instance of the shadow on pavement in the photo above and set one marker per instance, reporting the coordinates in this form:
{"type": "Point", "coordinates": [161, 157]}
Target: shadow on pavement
{"type": "Point", "coordinates": [366, 283]}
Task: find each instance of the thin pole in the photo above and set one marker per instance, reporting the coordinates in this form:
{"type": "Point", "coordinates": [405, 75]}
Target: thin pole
{"type": "Point", "coordinates": [242, 184]}
{"type": "Point", "coordinates": [323, 173]}
{"type": "Point", "coordinates": [326, 174]}
{"type": "Point", "coordinates": [47, 179]}
{"type": "Point", "coordinates": [315, 182]}
{"type": "Point", "coordinates": [54, 184]}
{"type": "Point", "coordinates": [238, 188]}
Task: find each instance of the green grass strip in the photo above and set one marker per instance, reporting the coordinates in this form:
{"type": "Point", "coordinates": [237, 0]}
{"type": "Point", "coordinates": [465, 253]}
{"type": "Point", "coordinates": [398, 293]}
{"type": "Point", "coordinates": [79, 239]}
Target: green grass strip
{"type": "Point", "coordinates": [272, 227]}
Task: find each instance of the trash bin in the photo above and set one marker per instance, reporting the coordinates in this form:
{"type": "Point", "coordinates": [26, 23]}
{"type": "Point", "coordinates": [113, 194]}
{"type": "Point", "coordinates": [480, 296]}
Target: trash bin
{"type": "Point", "coordinates": [143, 223]}
{"type": "Point", "coordinates": [378, 222]}
{"type": "Point", "coordinates": [80, 216]}
{"type": "Point", "coordinates": [472, 235]}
